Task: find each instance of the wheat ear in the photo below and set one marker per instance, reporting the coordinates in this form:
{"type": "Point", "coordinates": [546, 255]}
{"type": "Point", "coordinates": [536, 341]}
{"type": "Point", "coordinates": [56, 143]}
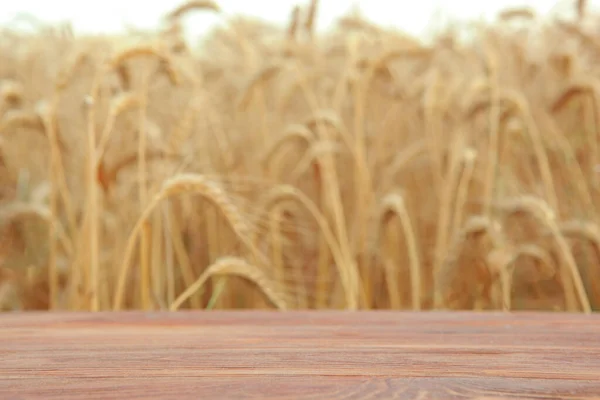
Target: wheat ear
{"type": "Point", "coordinates": [581, 8]}
{"type": "Point", "coordinates": [516, 13]}
{"type": "Point", "coordinates": [286, 193]}
{"type": "Point", "coordinates": [475, 227]}
{"type": "Point", "coordinates": [189, 6]}
{"type": "Point", "coordinates": [255, 82]}
{"type": "Point", "coordinates": [292, 29]}
{"type": "Point", "coordinates": [186, 183]}
{"type": "Point", "coordinates": [585, 230]}
{"type": "Point", "coordinates": [18, 210]}
{"type": "Point", "coordinates": [502, 263]}
{"type": "Point", "coordinates": [545, 215]}
{"type": "Point", "coordinates": [294, 133]}
{"type": "Point", "coordinates": [328, 118]}
{"type": "Point", "coordinates": [29, 120]}
{"type": "Point", "coordinates": [239, 267]}
{"type": "Point", "coordinates": [576, 88]}
{"type": "Point", "coordinates": [11, 95]}
{"type": "Point", "coordinates": [146, 50]}
{"type": "Point", "coordinates": [311, 16]}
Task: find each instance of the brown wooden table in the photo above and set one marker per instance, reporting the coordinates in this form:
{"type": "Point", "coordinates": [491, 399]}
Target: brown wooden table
{"type": "Point", "coordinates": [299, 355]}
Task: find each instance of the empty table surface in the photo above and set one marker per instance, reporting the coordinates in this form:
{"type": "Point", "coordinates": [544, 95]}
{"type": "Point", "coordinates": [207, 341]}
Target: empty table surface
{"type": "Point", "coordinates": [299, 355]}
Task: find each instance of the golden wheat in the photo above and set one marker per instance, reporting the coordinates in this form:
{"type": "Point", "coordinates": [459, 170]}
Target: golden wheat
{"type": "Point", "coordinates": [118, 60]}
{"type": "Point", "coordinates": [189, 6]}
{"type": "Point", "coordinates": [452, 282]}
{"type": "Point", "coordinates": [513, 13]}
{"type": "Point", "coordinates": [292, 30]}
{"type": "Point", "coordinates": [502, 261]}
{"type": "Point", "coordinates": [287, 193]}
{"type": "Point", "coordinates": [291, 149]}
{"type": "Point", "coordinates": [239, 267]}
{"type": "Point", "coordinates": [260, 78]}
{"type": "Point", "coordinates": [187, 183]}
{"type": "Point", "coordinates": [541, 211]}
{"type": "Point", "coordinates": [394, 202]}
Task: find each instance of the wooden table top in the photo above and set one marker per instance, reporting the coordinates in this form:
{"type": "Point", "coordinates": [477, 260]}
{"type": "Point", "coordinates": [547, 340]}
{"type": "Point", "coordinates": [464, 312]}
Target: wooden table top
{"type": "Point", "coordinates": [299, 355]}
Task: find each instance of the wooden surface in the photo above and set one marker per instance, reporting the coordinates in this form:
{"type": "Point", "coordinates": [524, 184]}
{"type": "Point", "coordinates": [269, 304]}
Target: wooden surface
{"type": "Point", "coordinates": [299, 355]}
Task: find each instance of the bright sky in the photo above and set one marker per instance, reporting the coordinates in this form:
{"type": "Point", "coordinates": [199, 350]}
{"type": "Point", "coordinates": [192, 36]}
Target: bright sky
{"type": "Point", "coordinates": [414, 17]}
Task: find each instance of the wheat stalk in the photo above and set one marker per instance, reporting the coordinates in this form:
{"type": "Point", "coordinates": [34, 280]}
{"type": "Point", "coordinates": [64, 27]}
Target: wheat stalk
{"type": "Point", "coordinates": [394, 203]}
{"type": "Point", "coordinates": [311, 16]}
{"type": "Point", "coordinates": [502, 262]}
{"type": "Point", "coordinates": [58, 186]}
{"type": "Point", "coordinates": [445, 208]}
{"type": "Point", "coordinates": [475, 229]}
{"type": "Point", "coordinates": [181, 256]}
{"type": "Point", "coordinates": [469, 159]}
{"type": "Point", "coordinates": [586, 230]}
{"type": "Point", "coordinates": [363, 185]}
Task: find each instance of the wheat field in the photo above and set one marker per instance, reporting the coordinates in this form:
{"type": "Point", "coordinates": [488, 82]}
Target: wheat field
{"type": "Point", "coordinates": [267, 167]}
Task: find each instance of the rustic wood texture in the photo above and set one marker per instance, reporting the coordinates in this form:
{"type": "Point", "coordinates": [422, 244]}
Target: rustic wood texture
{"type": "Point", "coordinates": [299, 355]}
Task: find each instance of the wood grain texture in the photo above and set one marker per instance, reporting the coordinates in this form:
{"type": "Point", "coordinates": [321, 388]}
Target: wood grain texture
{"type": "Point", "coordinates": [299, 355]}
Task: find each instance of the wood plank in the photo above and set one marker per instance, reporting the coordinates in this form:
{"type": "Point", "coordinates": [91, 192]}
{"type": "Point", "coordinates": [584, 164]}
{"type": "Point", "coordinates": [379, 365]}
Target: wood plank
{"type": "Point", "coordinates": [299, 355]}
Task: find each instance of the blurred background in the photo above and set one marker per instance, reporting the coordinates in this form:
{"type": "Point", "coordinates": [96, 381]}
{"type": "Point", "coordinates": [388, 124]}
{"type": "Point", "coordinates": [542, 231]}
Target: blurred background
{"type": "Point", "coordinates": [112, 16]}
{"type": "Point", "coordinates": [286, 164]}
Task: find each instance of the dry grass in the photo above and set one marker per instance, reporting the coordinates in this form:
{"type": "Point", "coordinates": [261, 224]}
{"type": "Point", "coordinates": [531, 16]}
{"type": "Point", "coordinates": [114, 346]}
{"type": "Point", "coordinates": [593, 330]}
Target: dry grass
{"type": "Point", "coordinates": [281, 167]}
